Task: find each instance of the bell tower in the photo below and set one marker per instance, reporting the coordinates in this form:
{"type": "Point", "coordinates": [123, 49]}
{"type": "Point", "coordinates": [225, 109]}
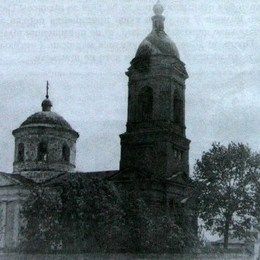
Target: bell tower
{"type": "Point", "coordinates": [155, 140]}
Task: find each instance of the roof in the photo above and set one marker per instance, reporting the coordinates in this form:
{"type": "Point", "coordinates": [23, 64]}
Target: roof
{"type": "Point", "coordinates": [67, 175]}
{"type": "Point", "coordinates": [46, 118]}
{"type": "Point", "coordinates": [100, 174]}
{"type": "Point", "coordinates": [59, 177]}
{"type": "Point", "coordinates": [10, 179]}
{"type": "Point", "coordinates": [21, 179]}
{"type": "Point", "coordinates": [157, 43]}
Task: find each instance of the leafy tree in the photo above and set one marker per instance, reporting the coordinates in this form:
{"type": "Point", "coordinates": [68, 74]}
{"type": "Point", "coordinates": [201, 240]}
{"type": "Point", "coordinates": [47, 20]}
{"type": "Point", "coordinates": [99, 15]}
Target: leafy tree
{"type": "Point", "coordinates": [79, 214]}
{"type": "Point", "coordinates": [225, 179]}
{"type": "Point", "coordinates": [40, 214]}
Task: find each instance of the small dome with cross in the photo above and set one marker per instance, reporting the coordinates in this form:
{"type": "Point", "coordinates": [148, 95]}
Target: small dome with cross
{"type": "Point", "coordinates": [45, 141]}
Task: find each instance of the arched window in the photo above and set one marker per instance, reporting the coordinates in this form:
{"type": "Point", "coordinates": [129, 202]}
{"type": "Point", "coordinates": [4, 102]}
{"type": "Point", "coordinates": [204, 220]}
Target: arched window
{"type": "Point", "coordinates": [20, 152]}
{"type": "Point", "coordinates": [42, 152]}
{"type": "Point", "coordinates": [65, 153]}
{"type": "Point", "coordinates": [165, 104]}
{"type": "Point", "coordinates": [146, 103]}
{"type": "Point", "coordinates": [177, 109]}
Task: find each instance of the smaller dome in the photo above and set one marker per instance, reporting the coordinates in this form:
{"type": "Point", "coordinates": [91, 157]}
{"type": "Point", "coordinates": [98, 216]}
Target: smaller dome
{"type": "Point", "coordinates": [46, 118]}
{"type": "Point", "coordinates": [46, 105]}
{"type": "Point", "coordinates": [44, 143]}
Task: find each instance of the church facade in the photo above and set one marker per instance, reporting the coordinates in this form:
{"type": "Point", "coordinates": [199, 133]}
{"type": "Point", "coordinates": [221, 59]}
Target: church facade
{"type": "Point", "coordinates": [154, 147]}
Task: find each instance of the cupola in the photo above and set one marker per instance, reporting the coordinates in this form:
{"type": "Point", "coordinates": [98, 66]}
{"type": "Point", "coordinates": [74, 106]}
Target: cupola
{"type": "Point", "coordinates": [45, 141]}
{"type": "Point", "coordinates": [158, 42]}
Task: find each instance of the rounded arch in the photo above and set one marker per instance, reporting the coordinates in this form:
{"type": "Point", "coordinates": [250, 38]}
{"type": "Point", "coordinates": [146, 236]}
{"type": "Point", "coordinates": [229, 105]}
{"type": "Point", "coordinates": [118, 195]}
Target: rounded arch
{"type": "Point", "coordinates": [43, 151]}
{"type": "Point", "coordinates": [20, 155]}
{"type": "Point", "coordinates": [65, 153]}
{"type": "Point", "coordinates": [145, 100]}
{"type": "Point", "coordinates": [177, 108]}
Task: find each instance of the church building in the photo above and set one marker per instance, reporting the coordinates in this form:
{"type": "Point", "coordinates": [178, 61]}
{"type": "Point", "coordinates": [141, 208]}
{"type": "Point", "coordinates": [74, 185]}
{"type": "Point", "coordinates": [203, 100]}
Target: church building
{"type": "Point", "coordinates": [154, 147]}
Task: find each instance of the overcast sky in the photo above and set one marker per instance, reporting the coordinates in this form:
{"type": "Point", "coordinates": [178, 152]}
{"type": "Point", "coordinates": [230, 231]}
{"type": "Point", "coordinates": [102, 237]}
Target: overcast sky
{"type": "Point", "coordinates": [84, 48]}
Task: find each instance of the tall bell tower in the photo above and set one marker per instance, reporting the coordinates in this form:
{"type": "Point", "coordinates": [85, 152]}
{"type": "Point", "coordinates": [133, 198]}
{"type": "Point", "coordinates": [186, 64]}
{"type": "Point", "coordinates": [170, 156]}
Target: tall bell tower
{"type": "Point", "coordinates": [155, 140]}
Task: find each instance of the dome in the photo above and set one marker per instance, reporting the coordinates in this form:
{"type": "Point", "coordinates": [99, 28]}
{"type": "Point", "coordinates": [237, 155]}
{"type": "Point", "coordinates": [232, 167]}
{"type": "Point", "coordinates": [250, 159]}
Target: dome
{"type": "Point", "coordinates": [158, 43]}
{"type": "Point", "coordinates": [44, 143]}
{"type": "Point", "coordinates": [46, 118]}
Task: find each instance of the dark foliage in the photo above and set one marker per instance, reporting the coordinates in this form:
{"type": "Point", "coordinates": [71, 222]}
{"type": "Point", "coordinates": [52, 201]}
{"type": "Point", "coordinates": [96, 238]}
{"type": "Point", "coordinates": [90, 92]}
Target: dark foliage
{"type": "Point", "coordinates": [150, 228]}
{"type": "Point", "coordinates": [84, 214]}
{"type": "Point", "coordinates": [226, 180]}
{"type": "Point", "coordinates": [81, 214]}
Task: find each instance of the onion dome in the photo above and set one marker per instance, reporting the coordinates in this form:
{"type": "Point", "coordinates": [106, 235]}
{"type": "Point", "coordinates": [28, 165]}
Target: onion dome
{"type": "Point", "coordinates": [158, 42]}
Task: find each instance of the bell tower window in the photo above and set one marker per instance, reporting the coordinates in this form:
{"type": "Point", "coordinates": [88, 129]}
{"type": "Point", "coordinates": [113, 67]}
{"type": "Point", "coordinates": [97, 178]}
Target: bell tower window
{"type": "Point", "coordinates": [177, 109]}
{"type": "Point", "coordinates": [42, 152]}
{"type": "Point", "coordinates": [20, 152]}
{"type": "Point", "coordinates": [65, 153]}
{"type": "Point", "coordinates": [146, 103]}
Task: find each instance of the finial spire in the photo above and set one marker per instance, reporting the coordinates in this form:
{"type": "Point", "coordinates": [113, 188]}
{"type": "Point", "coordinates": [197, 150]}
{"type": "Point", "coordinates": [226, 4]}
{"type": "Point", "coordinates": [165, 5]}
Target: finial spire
{"type": "Point", "coordinates": [47, 89]}
{"type": "Point", "coordinates": [158, 18]}
{"type": "Point", "coordinates": [46, 104]}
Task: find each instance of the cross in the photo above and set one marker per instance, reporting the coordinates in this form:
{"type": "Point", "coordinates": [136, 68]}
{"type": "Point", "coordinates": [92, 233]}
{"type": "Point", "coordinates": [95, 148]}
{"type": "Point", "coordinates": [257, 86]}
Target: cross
{"type": "Point", "coordinates": [47, 89]}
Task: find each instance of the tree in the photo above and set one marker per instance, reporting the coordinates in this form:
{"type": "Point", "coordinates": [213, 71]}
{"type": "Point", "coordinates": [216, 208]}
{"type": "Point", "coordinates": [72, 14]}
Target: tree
{"type": "Point", "coordinates": [40, 214]}
{"type": "Point", "coordinates": [79, 214]}
{"type": "Point", "coordinates": [256, 180]}
{"type": "Point", "coordinates": [225, 179]}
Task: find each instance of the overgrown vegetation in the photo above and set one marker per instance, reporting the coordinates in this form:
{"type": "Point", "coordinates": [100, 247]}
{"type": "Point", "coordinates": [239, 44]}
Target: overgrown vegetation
{"type": "Point", "coordinates": [84, 214]}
